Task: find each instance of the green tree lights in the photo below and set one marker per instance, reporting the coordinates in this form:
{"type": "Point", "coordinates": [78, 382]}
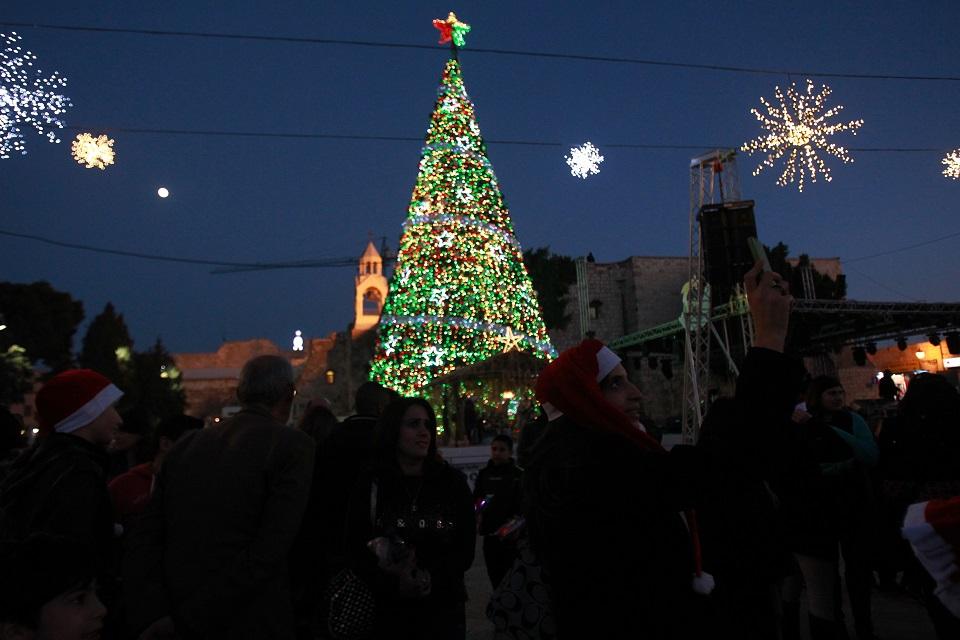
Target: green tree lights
{"type": "Point", "coordinates": [460, 292]}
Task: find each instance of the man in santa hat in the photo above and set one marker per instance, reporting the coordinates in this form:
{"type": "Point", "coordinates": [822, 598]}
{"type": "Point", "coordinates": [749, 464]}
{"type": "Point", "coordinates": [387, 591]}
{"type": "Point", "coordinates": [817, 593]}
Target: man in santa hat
{"type": "Point", "coordinates": [59, 486]}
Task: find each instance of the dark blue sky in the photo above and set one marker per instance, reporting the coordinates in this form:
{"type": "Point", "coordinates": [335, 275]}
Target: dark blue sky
{"type": "Point", "coordinates": [256, 199]}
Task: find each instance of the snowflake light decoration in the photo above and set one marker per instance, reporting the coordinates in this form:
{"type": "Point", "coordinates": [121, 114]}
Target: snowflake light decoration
{"type": "Point", "coordinates": [26, 97]}
{"type": "Point", "coordinates": [797, 129]}
{"type": "Point", "coordinates": [584, 160]}
{"type": "Point", "coordinates": [951, 162]}
{"type": "Point", "coordinates": [93, 153]}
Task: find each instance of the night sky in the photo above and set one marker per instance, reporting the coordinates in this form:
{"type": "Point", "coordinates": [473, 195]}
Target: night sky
{"type": "Point", "coordinates": [248, 199]}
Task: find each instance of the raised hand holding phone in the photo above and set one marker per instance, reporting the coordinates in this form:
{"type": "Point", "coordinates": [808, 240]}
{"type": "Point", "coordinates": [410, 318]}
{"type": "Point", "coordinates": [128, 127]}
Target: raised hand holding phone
{"type": "Point", "coordinates": [759, 254]}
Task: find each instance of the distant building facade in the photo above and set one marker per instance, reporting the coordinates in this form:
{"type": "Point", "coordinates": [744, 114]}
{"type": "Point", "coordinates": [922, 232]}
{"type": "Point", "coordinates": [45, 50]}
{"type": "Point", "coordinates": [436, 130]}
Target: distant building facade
{"type": "Point", "coordinates": [329, 368]}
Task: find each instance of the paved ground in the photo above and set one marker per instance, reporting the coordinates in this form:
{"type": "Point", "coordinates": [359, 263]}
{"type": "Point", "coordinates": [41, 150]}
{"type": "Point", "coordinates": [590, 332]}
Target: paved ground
{"type": "Point", "coordinates": [896, 616]}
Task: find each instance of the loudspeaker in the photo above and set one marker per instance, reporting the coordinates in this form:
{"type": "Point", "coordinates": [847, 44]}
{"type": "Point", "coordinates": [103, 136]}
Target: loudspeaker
{"type": "Point", "coordinates": [724, 229]}
{"type": "Point", "coordinates": [953, 342]}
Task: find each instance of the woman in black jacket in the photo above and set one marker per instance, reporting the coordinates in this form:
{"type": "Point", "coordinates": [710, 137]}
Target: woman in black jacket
{"type": "Point", "coordinates": [411, 530]}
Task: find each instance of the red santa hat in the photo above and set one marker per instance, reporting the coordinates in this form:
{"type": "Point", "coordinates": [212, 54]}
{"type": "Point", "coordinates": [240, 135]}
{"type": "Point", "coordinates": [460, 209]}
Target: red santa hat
{"type": "Point", "coordinates": [571, 385]}
{"type": "Point", "coordinates": [73, 399]}
{"type": "Point", "coordinates": [933, 530]}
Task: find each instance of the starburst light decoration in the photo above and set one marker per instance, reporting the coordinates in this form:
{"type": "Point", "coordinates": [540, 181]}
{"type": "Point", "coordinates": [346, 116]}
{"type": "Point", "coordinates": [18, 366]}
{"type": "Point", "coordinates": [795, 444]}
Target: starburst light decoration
{"type": "Point", "coordinates": [798, 129]}
{"type": "Point", "coordinates": [951, 163]}
{"type": "Point", "coordinates": [584, 160]}
{"type": "Point", "coordinates": [27, 98]}
{"type": "Point", "coordinates": [93, 153]}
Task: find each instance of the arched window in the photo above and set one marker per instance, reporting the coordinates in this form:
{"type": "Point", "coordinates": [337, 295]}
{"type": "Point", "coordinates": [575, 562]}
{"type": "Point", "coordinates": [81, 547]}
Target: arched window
{"type": "Point", "coordinates": [330, 375]}
{"type": "Point", "coordinates": [372, 301]}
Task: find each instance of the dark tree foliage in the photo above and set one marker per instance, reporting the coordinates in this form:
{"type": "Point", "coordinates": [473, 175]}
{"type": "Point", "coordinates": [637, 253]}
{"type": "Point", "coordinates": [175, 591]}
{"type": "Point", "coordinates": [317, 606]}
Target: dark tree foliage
{"type": "Point", "coordinates": [106, 334]}
{"type": "Point", "coordinates": [16, 375]}
{"type": "Point", "coordinates": [552, 275]}
{"type": "Point", "coordinates": [40, 319]}
{"type": "Point", "coordinates": [152, 384]}
{"type": "Point", "coordinates": [825, 287]}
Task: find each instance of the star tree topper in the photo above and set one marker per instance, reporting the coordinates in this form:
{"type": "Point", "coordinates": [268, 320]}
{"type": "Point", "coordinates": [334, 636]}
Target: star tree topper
{"type": "Point", "coordinates": [452, 29]}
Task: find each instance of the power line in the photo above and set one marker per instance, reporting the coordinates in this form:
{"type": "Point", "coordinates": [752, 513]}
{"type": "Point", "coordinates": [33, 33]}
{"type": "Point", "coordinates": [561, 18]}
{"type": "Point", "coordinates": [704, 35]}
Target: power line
{"type": "Point", "coordinates": [230, 266]}
{"type": "Point", "coordinates": [527, 143]}
{"type": "Point", "coordinates": [906, 248]}
{"type": "Point", "coordinates": [884, 286]}
{"type": "Point", "coordinates": [506, 52]}
{"type": "Point", "coordinates": [239, 266]}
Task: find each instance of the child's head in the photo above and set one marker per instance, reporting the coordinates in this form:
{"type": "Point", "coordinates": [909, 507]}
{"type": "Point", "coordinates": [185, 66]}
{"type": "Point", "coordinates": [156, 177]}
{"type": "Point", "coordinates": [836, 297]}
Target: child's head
{"type": "Point", "coordinates": [501, 449]}
{"type": "Point", "coordinates": [48, 591]}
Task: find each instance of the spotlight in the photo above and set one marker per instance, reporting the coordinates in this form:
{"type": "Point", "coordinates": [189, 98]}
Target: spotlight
{"type": "Point", "coordinates": [902, 343]}
{"type": "Point", "coordinates": [934, 339]}
{"type": "Point", "coordinates": [860, 356]}
{"type": "Point", "coordinates": [667, 368]}
{"type": "Point", "coordinates": [953, 342]}
{"type": "Point", "coordinates": [872, 348]}
{"type": "Point", "coordinates": [652, 362]}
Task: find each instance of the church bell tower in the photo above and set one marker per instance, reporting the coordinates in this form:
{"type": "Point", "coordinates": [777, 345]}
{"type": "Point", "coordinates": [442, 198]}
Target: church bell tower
{"type": "Point", "coordinates": [371, 291]}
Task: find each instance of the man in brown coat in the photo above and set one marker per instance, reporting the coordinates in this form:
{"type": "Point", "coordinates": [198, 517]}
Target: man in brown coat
{"type": "Point", "coordinates": [210, 559]}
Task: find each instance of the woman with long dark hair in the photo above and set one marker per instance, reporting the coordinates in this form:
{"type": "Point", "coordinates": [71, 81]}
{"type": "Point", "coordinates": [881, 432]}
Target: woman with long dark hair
{"type": "Point", "coordinates": [411, 529]}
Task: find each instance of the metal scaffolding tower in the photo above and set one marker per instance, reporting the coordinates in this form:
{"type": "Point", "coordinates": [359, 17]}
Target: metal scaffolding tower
{"type": "Point", "coordinates": [713, 179]}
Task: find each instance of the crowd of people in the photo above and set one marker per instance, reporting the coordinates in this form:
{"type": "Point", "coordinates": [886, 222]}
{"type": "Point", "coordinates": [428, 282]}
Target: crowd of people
{"type": "Point", "coordinates": [248, 528]}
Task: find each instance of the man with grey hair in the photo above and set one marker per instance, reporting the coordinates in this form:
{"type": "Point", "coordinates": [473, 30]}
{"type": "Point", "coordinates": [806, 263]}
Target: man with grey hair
{"type": "Point", "coordinates": [210, 559]}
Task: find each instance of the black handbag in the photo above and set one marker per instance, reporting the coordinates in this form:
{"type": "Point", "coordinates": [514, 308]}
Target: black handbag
{"type": "Point", "coordinates": [352, 607]}
{"type": "Point", "coordinates": [351, 603]}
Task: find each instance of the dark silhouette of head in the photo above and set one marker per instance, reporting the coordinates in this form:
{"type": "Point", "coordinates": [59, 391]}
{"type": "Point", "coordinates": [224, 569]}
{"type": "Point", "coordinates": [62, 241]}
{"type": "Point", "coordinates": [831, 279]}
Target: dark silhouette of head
{"type": "Point", "coordinates": [266, 381]}
{"type": "Point", "coordinates": [931, 396]}
{"type": "Point", "coordinates": [318, 422]}
{"type": "Point", "coordinates": [815, 391]}
{"type": "Point", "coordinates": [372, 398]}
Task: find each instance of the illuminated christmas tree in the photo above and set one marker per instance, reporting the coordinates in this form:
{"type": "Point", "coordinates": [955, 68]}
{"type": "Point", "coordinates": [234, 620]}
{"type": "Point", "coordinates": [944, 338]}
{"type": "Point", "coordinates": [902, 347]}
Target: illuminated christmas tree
{"type": "Point", "coordinates": [460, 292]}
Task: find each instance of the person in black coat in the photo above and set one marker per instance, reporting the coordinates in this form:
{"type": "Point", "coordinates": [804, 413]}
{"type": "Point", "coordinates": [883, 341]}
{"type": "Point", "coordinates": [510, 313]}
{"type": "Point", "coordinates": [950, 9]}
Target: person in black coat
{"type": "Point", "coordinates": [59, 486]}
{"type": "Point", "coordinates": [340, 459]}
{"type": "Point", "coordinates": [411, 530]}
{"type": "Point", "coordinates": [609, 510]}
{"type": "Point", "coordinates": [496, 495]}
{"type": "Point", "coordinates": [209, 558]}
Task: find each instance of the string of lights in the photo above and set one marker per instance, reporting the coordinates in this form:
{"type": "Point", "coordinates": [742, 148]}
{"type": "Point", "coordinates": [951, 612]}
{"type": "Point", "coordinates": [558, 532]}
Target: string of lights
{"type": "Point", "coordinates": [505, 52]}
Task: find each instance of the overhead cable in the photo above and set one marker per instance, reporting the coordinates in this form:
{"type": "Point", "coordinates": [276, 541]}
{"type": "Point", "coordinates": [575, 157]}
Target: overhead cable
{"type": "Point", "coordinates": [505, 52]}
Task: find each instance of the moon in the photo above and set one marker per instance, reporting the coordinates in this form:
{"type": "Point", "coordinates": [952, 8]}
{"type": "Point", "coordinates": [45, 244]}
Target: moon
{"type": "Point", "coordinates": [163, 192]}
